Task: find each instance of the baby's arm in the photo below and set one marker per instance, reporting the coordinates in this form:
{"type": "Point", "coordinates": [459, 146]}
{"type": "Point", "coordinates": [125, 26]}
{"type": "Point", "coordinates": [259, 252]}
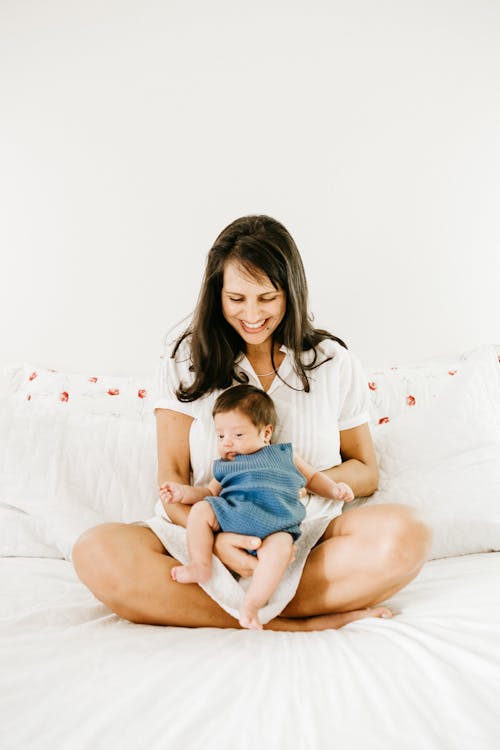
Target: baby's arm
{"type": "Point", "coordinates": [319, 483]}
{"type": "Point", "coordinates": [174, 492]}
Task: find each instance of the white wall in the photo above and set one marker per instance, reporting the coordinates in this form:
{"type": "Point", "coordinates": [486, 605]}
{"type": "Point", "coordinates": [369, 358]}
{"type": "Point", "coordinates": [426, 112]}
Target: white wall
{"type": "Point", "coordinates": [132, 133]}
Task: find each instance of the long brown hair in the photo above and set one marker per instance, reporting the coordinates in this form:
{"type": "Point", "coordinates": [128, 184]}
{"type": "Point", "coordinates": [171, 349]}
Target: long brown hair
{"type": "Point", "coordinates": [261, 246]}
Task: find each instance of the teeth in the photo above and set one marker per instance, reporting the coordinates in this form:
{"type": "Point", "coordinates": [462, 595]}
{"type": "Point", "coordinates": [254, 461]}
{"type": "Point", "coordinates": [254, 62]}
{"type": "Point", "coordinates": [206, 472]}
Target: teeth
{"type": "Point", "coordinates": [253, 325]}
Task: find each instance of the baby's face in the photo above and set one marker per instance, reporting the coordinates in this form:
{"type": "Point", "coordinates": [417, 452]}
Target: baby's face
{"type": "Point", "coordinates": [236, 433]}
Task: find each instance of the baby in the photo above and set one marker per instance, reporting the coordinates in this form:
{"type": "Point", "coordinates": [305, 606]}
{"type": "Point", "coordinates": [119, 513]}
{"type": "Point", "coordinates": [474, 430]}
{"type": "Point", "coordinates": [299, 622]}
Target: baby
{"type": "Point", "coordinates": [255, 490]}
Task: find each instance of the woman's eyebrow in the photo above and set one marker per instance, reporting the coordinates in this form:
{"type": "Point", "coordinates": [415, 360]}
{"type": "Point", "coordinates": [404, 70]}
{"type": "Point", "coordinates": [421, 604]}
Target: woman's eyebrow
{"type": "Point", "coordinates": [239, 294]}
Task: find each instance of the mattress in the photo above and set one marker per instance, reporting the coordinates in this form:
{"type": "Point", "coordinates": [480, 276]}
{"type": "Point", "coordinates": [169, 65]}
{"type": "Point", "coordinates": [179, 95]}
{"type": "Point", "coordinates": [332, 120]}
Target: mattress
{"type": "Point", "coordinates": [73, 675]}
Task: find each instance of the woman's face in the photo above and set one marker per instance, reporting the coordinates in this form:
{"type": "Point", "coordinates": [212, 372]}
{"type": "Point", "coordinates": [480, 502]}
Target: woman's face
{"type": "Point", "coordinates": [252, 306]}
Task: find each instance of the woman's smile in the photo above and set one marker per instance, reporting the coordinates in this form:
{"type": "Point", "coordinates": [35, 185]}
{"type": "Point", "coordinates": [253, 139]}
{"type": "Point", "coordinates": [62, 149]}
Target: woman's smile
{"type": "Point", "coordinates": [254, 327]}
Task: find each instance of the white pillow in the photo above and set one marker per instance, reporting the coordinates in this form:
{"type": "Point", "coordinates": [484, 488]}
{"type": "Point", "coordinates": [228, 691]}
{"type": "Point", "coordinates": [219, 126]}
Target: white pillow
{"type": "Point", "coordinates": [20, 535]}
{"type": "Point", "coordinates": [443, 458]}
{"type": "Point", "coordinates": [78, 462]}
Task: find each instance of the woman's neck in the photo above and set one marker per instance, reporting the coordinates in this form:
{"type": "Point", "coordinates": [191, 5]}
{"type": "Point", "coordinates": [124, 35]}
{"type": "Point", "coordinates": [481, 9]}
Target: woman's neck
{"type": "Point", "coordinates": [262, 351]}
{"type": "Point", "coordinates": [260, 357]}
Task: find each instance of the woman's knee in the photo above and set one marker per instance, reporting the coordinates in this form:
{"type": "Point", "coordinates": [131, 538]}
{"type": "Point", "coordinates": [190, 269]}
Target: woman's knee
{"type": "Point", "coordinates": [97, 559]}
{"type": "Point", "coordinates": [404, 540]}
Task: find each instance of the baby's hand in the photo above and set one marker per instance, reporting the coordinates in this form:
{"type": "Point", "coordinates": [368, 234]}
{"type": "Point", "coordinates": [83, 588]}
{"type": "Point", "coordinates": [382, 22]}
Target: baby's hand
{"type": "Point", "coordinates": [342, 491]}
{"type": "Point", "coordinates": [171, 492]}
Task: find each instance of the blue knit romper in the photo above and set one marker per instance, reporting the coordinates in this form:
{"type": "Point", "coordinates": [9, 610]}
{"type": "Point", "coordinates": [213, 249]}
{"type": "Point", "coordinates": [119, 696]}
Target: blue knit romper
{"type": "Point", "coordinates": [259, 493]}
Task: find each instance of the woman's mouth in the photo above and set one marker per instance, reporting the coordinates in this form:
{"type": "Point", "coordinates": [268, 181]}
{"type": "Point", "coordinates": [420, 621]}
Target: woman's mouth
{"type": "Point", "coordinates": [257, 327]}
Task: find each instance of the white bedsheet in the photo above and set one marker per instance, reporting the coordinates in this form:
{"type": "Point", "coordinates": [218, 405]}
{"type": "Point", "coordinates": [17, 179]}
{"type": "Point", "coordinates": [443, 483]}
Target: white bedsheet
{"type": "Point", "coordinates": [74, 676]}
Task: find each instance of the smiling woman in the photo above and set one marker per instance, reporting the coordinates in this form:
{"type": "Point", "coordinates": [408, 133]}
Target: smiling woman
{"type": "Point", "coordinates": [254, 295]}
{"type": "Point", "coordinates": [251, 325]}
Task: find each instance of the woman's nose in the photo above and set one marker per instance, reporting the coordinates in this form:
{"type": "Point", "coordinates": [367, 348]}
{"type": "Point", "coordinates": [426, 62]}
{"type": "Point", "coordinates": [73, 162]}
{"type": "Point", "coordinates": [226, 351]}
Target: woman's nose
{"type": "Point", "coordinates": [252, 312]}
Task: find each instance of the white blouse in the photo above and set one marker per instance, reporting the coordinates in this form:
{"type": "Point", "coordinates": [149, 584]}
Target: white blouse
{"type": "Point", "coordinates": [337, 400]}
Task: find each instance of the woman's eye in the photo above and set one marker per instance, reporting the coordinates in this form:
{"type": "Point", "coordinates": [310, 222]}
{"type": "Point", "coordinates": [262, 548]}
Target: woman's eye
{"type": "Point", "coordinates": [239, 299]}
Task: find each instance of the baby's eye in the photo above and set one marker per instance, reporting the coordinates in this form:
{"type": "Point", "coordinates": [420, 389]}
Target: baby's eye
{"type": "Point", "coordinates": [239, 434]}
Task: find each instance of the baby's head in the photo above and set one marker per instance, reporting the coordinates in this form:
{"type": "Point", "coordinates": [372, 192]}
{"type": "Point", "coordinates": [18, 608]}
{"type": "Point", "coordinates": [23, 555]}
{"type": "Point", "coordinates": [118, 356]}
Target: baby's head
{"type": "Point", "coordinates": [244, 418]}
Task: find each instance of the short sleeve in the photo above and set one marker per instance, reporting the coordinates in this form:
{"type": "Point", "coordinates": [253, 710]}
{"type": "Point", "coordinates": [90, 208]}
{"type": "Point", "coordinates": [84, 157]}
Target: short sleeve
{"type": "Point", "coordinates": [353, 393]}
{"type": "Point", "coordinates": [170, 373]}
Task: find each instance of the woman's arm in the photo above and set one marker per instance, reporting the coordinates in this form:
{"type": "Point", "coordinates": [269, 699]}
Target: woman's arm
{"type": "Point", "coordinates": [172, 434]}
{"type": "Point", "coordinates": [359, 461]}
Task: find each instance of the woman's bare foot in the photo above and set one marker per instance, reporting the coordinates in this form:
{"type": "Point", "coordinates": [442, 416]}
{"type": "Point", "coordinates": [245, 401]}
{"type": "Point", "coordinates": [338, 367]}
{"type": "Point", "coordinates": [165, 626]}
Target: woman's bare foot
{"type": "Point", "coordinates": [192, 573]}
{"type": "Point", "coordinates": [249, 616]}
{"type": "Point", "coordinates": [327, 622]}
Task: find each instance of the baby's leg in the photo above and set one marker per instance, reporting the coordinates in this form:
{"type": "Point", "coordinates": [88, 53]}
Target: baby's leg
{"type": "Point", "coordinates": [201, 525]}
{"type": "Point", "coordinates": [274, 556]}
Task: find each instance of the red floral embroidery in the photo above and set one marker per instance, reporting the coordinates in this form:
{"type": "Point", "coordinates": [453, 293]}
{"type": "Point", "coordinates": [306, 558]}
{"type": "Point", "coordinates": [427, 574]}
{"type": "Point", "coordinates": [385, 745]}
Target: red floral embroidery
{"type": "Point", "coordinates": [372, 386]}
{"type": "Point", "coordinates": [28, 398]}
{"type": "Point", "coordinates": [383, 420]}
{"type": "Point", "coordinates": [64, 396]}
{"type": "Point", "coordinates": [452, 372]}
{"type": "Point", "coordinates": [51, 370]}
{"type": "Point", "coordinates": [33, 376]}
{"type": "Point", "coordinates": [410, 400]}
{"type": "Point", "coordinates": [92, 380]}
{"type": "Point", "coordinates": [113, 391]}
{"type": "Point", "coordinates": [142, 393]}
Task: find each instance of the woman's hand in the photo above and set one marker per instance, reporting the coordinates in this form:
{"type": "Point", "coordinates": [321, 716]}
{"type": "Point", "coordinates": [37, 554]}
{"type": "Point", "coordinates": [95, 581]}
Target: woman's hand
{"type": "Point", "coordinates": [231, 550]}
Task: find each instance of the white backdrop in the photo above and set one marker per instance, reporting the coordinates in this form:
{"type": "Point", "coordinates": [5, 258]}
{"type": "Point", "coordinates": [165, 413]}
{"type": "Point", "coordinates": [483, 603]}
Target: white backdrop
{"type": "Point", "coordinates": [132, 133]}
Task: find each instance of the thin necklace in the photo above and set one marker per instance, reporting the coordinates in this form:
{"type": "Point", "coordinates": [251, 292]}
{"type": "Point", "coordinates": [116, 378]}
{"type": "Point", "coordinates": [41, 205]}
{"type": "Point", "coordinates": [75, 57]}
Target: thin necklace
{"type": "Point", "coordinates": [265, 374]}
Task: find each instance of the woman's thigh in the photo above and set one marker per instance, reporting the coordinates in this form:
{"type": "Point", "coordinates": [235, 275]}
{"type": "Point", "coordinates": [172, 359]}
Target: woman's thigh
{"type": "Point", "coordinates": [388, 522]}
{"type": "Point", "coordinates": [364, 556]}
{"type": "Point", "coordinates": [112, 555]}
{"type": "Point", "coordinates": [127, 568]}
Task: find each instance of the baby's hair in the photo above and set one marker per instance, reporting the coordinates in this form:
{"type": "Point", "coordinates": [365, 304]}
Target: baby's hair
{"type": "Point", "coordinates": [250, 401]}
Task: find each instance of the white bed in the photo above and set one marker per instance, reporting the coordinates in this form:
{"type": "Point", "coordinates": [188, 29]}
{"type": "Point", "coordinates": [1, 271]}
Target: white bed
{"type": "Point", "coordinates": [73, 675]}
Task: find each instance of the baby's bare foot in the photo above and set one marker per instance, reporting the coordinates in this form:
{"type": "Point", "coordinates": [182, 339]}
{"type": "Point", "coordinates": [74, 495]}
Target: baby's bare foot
{"type": "Point", "coordinates": [249, 616]}
{"type": "Point", "coordinates": [193, 573]}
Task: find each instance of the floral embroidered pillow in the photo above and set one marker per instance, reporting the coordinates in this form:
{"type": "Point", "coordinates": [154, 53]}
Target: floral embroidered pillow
{"type": "Point", "coordinates": [397, 390]}
{"type": "Point", "coordinates": [89, 392]}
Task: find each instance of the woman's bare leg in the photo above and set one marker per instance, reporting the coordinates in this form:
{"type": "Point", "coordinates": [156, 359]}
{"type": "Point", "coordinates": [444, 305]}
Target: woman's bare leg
{"type": "Point", "coordinates": [365, 556]}
{"type": "Point", "coordinates": [274, 557]}
{"type": "Point", "coordinates": [126, 567]}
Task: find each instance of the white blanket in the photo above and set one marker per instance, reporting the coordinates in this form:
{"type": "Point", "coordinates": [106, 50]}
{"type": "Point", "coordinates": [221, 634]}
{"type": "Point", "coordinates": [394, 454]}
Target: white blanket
{"type": "Point", "coordinates": [74, 676]}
